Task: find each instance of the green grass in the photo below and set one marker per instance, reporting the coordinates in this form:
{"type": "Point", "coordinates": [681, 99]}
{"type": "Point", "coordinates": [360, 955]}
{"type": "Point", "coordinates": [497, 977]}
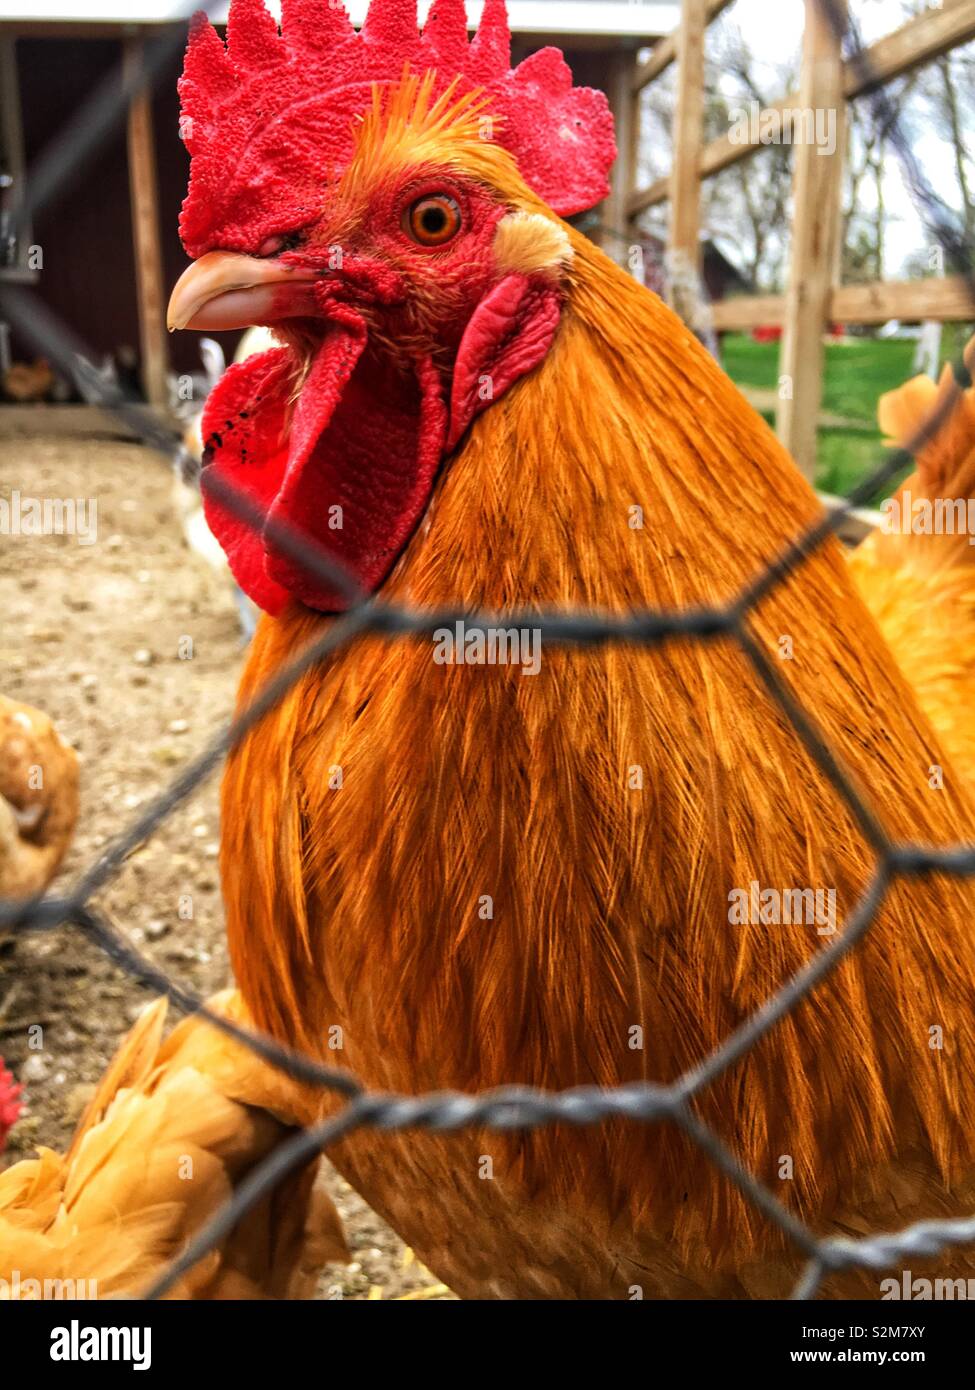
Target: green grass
{"type": "Point", "coordinates": [856, 375]}
{"type": "Point", "coordinates": [845, 458]}
{"type": "Point", "coordinates": [848, 456]}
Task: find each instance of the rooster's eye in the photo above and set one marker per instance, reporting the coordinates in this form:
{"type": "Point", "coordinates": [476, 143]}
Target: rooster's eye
{"type": "Point", "coordinates": [433, 219]}
{"type": "Point", "coordinates": [274, 245]}
{"type": "Point", "coordinates": [270, 246]}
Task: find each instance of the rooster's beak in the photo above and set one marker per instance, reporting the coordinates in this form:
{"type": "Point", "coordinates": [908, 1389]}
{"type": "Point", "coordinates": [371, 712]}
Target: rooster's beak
{"type": "Point", "coordinates": [226, 290]}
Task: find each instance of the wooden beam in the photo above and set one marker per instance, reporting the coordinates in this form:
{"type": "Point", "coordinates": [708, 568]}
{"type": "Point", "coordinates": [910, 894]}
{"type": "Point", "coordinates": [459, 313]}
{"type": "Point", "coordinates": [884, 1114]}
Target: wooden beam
{"type": "Point", "coordinates": [947, 300]}
{"type": "Point", "coordinates": [745, 312]}
{"type": "Point", "coordinates": [858, 522]}
{"type": "Point", "coordinates": [654, 193]}
{"type": "Point", "coordinates": [665, 51]}
{"type": "Point", "coordinates": [683, 242]}
{"type": "Point", "coordinates": [715, 156]}
{"type": "Point", "coordinates": [922, 39]}
{"type": "Point", "coordinates": [143, 195]}
{"type": "Point", "coordinates": [817, 183]}
{"type": "Point", "coordinates": [632, 129]}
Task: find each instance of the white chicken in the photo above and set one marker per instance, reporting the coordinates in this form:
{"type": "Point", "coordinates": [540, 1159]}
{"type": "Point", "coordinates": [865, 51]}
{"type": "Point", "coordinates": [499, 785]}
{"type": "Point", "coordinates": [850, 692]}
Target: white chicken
{"type": "Point", "coordinates": [186, 486]}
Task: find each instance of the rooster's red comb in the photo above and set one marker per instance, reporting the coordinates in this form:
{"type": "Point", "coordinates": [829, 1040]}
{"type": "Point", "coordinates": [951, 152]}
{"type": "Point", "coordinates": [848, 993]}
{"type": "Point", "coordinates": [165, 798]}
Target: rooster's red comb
{"type": "Point", "coordinates": [267, 117]}
{"type": "Point", "coordinates": [9, 1104]}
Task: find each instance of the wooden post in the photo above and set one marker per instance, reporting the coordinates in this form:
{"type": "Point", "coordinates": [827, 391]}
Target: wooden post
{"type": "Point", "coordinates": [685, 179]}
{"type": "Point", "coordinates": [150, 286]}
{"type": "Point", "coordinates": [813, 264]}
{"type": "Point", "coordinates": [624, 104]}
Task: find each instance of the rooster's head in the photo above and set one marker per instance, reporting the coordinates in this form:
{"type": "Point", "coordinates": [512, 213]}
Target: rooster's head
{"type": "Point", "coordinates": [384, 201]}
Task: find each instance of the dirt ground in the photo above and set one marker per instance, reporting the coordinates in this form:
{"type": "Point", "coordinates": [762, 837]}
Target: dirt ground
{"type": "Point", "coordinates": [90, 634]}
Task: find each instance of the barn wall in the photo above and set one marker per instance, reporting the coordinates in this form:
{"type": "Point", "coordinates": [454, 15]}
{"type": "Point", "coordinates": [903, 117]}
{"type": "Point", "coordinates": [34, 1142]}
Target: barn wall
{"type": "Point", "coordinates": [85, 234]}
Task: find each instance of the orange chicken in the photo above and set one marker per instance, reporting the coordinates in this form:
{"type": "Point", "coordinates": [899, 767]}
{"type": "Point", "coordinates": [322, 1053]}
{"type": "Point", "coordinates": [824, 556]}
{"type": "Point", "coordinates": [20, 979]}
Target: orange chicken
{"type": "Point", "coordinates": [917, 573]}
{"type": "Point", "coordinates": [173, 1128]}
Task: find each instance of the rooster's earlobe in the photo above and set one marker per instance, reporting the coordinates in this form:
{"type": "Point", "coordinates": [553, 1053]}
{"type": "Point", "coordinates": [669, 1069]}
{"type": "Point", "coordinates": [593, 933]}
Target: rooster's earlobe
{"type": "Point", "coordinates": [508, 334]}
{"type": "Point", "coordinates": [528, 243]}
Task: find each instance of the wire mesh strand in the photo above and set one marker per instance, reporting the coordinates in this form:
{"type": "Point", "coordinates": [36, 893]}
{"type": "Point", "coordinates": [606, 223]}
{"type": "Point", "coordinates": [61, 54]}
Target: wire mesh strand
{"type": "Point", "coordinates": [509, 1107]}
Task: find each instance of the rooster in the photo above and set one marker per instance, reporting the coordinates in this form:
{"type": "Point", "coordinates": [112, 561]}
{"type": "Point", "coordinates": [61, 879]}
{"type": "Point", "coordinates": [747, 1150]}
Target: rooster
{"type": "Point", "coordinates": [470, 876]}
{"type": "Point", "coordinates": [173, 1127]}
{"type": "Point", "coordinates": [917, 572]}
{"type": "Point", "coordinates": [518, 877]}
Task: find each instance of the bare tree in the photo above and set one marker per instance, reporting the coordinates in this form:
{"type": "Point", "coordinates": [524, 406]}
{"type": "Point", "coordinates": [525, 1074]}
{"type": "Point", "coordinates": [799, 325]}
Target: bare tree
{"type": "Point", "coordinates": [867, 163]}
{"type": "Point", "coordinates": [748, 204]}
{"type": "Point", "coordinates": [954, 97]}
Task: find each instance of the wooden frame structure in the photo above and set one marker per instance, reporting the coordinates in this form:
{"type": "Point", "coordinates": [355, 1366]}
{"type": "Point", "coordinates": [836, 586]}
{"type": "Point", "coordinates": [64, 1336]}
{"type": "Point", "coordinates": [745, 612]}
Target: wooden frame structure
{"type": "Point", "coordinates": [814, 296]}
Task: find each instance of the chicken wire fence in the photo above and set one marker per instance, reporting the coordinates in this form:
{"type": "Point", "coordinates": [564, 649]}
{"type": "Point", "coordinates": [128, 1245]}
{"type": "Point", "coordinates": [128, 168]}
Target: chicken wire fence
{"type": "Point", "coordinates": [506, 1107]}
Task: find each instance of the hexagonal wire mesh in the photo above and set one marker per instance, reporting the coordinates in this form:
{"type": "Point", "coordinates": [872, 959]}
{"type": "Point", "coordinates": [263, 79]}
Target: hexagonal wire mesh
{"type": "Point", "coordinates": [508, 1107]}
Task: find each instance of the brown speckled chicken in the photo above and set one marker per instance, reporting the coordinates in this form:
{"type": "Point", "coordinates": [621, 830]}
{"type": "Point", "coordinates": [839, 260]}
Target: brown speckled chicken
{"type": "Point", "coordinates": [38, 799]}
{"type": "Point", "coordinates": [26, 382]}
